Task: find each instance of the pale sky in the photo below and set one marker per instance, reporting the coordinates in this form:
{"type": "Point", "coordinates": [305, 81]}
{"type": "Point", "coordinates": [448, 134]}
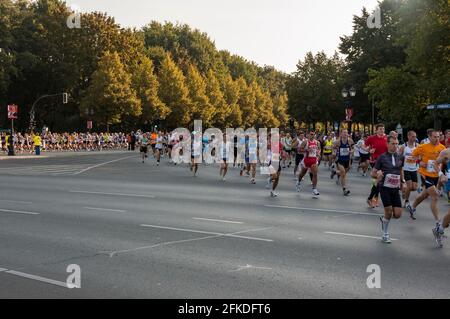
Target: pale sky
{"type": "Point", "coordinates": [268, 32]}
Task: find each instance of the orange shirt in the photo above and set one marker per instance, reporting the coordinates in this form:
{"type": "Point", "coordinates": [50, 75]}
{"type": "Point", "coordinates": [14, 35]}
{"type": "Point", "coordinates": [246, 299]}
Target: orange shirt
{"type": "Point", "coordinates": [428, 153]}
{"type": "Point", "coordinates": [153, 138]}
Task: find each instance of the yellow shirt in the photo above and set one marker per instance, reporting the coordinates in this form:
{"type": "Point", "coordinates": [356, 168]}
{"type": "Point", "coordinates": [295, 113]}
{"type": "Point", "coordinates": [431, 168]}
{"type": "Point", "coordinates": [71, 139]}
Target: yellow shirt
{"type": "Point", "coordinates": [428, 153]}
{"type": "Point", "coordinates": [37, 140]}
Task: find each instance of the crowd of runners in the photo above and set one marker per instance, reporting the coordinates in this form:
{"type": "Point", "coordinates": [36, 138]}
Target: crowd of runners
{"type": "Point", "coordinates": [396, 170]}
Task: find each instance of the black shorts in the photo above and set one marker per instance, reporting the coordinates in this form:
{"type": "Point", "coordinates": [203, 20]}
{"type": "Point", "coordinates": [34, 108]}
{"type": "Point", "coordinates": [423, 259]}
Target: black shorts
{"type": "Point", "coordinates": [411, 176]}
{"type": "Point", "coordinates": [390, 197]}
{"type": "Point", "coordinates": [364, 157]}
{"type": "Point", "coordinates": [345, 164]}
{"type": "Point", "coordinates": [144, 149]}
{"type": "Point", "coordinates": [298, 158]}
{"type": "Point", "coordinates": [288, 151]}
{"type": "Point", "coordinates": [429, 181]}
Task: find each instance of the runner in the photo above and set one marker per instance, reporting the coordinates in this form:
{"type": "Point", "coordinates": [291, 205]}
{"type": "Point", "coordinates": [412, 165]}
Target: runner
{"type": "Point", "coordinates": [378, 146]}
{"type": "Point", "coordinates": [364, 155]}
{"type": "Point", "coordinates": [444, 158]}
{"type": "Point", "coordinates": [429, 173]}
{"type": "Point", "coordinates": [159, 147]}
{"type": "Point", "coordinates": [388, 171]}
{"type": "Point", "coordinates": [411, 166]}
{"type": "Point", "coordinates": [196, 152]}
{"type": "Point", "coordinates": [343, 148]}
{"type": "Point", "coordinates": [153, 137]}
{"type": "Point", "coordinates": [225, 151]}
{"type": "Point", "coordinates": [144, 147]}
{"type": "Point", "coordinates": [328, 151]}
{"type": "Point", "coordinates": [311, 147]}
{"type": "Point", "coordinates": [299, 155]}
{"type": "Point", "coordinates": [274, 169]}
{"type": "Point", "coordinates": [252, 158]}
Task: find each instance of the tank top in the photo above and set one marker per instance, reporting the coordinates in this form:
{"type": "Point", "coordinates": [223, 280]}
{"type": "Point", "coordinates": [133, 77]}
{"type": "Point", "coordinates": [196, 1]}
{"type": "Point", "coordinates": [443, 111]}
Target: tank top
{"type": "Point", "coordinates": [328, 149]}
{"type": "Point", "coordinates": [344, 151]}
{"type": "Point", "coordinates": [410, 163]}
{"type": "Point", "coordinates": [312, 151]}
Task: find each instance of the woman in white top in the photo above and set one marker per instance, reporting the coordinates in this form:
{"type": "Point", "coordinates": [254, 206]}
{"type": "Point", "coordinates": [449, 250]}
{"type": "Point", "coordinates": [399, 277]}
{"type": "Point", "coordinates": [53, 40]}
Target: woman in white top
{"type": "Point", "coordinates": [159, 147]}
{"type": "Point", "coordinates": [364, 155]}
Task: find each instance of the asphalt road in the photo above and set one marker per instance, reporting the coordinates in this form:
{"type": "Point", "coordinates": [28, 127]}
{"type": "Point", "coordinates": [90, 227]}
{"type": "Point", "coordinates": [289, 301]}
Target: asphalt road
{"type": "Point", "coordinates": [141, 231]}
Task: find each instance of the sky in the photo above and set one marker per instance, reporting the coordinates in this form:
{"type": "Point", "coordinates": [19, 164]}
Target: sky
{"type": "Point", "coordinates": [269, 32]}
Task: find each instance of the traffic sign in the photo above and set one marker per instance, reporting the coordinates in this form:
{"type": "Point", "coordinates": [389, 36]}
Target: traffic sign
{"type": "Point", "coordinates": [13, 110]}
{"type": "Point", "coordinates": [438, 106]}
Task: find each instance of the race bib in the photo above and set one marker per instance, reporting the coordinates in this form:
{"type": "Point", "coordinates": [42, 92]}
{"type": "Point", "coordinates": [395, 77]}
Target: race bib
{"type": "Point", "coordinates": [392, 181]}
{"type": "Point", "coordinates": [312, 152]}
{"type": "Point", "coordinates": [410, 160]}
{"type": "Point", "coordinates": [344, 151]}
{"type": "Point", "coordinates": [430, 166]}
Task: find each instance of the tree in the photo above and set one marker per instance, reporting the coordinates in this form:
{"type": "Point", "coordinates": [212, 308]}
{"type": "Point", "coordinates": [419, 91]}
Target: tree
{"type": "Point", "coordinates": [216, 97]}
{"type": "Point", "coordinates": [201, 106]}
{"type": "Point", "coordinates": [110, 93]}
{"type": "Point", "coordinates": [247, 104]}
{"type": "Point", "coordinates": [146, 85]}
{"type": "Point", "coordinates": [174, 93]}
{"type": "Point", "coordinates": [231, 95]}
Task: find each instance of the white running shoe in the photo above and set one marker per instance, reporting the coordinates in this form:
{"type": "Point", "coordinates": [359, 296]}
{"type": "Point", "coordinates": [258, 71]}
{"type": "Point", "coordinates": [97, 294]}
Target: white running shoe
{"type": "Point", "coordinates": [298, 186]}
{"type": "Point", "coordinates": [386, 239]}
{"type": "Point", "coordinates": [315, 193]}
{"type": "Point", "coordinates": [273, 194]}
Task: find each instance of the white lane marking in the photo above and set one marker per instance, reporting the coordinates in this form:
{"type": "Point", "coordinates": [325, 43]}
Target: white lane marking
{"type": "Point", "coordinates": [354, 235]}
{"type": "Point", "coordinates": [323, 210]}
{"type": "Point", "coordinates": [106, 209]}
{"type": "Point", "coordinates": [112, 253]}
{"type": "Point", "coordinates": [102, 164]}
{"type": "Point", "coordinates": [218, 220]}
{"type": "Point", "coordinates": [210, 233]}
{"type": "Point", "coordinates": [113, 194]}
{"type": "Point", "coordinates": [38, 278]}
{"type": "Point", "coordinates": [250, 266]}
{"type": "Point", "coordinates": [3, 269]}
{"type": "Point", "coordinates": [15, 201]}
{"type": "Point", "coordinates": [17, 212]}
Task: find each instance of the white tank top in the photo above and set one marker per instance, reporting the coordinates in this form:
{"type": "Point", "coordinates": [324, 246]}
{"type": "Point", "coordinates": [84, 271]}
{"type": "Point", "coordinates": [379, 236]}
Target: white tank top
{"type": "Point", "coordinates": [410, 163]}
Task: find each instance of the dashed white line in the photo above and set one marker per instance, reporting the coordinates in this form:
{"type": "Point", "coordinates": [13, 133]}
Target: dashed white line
{"type": "Point", "coordinates": [321, 210]}
{"type": "Point", "coordinates": [38, 278]}
{"type": "Point", "coordinates": [102, 164]}
{"type": "Point", "coordinates": [354, 235]}
{"type": "Point", "coordinates": [210, 233]}
{"type": "Point", "coordinates": [14, 201]}
{"type": "Point", "coordinates": [113, 194]}
{"type": "Point", "coordinates": [218, 220]}
{"type": "Point", "coordinates": [17, 212]}
{"type": "Point", "coordinates": [106, 209]}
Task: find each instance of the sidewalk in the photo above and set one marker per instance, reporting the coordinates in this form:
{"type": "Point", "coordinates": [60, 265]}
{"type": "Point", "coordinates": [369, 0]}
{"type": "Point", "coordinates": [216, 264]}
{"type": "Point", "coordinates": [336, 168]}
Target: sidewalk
{"type": "Point", "coordinates": [45, 154]}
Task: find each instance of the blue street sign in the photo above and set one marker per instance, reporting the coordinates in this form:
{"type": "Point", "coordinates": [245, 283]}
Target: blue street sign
{"type": "Point", "coordinates": [438, 106]}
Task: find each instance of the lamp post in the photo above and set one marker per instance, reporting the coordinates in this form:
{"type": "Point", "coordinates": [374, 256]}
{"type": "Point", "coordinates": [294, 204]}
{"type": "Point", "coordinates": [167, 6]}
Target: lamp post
{"type": "Point", "coordinates": [347, 94]}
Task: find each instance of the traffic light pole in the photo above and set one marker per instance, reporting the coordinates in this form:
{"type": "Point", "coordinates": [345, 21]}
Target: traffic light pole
{"type": "Point", "coordinates": [32, 112]}
{"type": "Point", "coordinates": [11, 140]}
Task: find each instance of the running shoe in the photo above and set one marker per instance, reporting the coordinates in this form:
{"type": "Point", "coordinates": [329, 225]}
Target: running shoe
{"type": "Point", "coordinates": [315, 193]}
{"type": "Point", "coordinates": [412, 211]}
{"type": "Point", "coordinates": [369, 203]}
{"type": "Point", "coordinates": [437, 237]}
{"type": "Point", "coordinates": [273, 194]}
{"type": "Point", "coordinates": [253, 181]}
{"type": "Point", "coordinates": [386, 239]}
{"type": "Point", "coordinates": [346, 193]}
{"type": "Point", "coordinates": [298, 186]}
{"type": "Point", "coordinates": [333, 173]}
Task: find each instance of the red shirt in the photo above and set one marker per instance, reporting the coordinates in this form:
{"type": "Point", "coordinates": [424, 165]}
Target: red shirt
{"type": "Point", "coordinates": [379, 144]}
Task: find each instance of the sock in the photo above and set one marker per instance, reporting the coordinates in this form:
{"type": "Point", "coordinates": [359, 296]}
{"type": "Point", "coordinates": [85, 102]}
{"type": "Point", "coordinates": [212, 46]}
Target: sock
{"type": "Point", "coordinates": [385, 226]}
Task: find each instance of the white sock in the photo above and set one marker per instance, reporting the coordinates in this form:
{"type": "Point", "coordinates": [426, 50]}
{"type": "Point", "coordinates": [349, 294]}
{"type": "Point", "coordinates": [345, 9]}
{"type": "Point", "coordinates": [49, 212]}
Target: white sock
{"type": "Point", "coordinates": [386, 226]}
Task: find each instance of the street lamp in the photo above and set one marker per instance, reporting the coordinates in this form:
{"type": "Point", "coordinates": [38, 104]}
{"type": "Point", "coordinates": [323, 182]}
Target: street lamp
{"type": "Point", "coordinates": [346, 94]}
